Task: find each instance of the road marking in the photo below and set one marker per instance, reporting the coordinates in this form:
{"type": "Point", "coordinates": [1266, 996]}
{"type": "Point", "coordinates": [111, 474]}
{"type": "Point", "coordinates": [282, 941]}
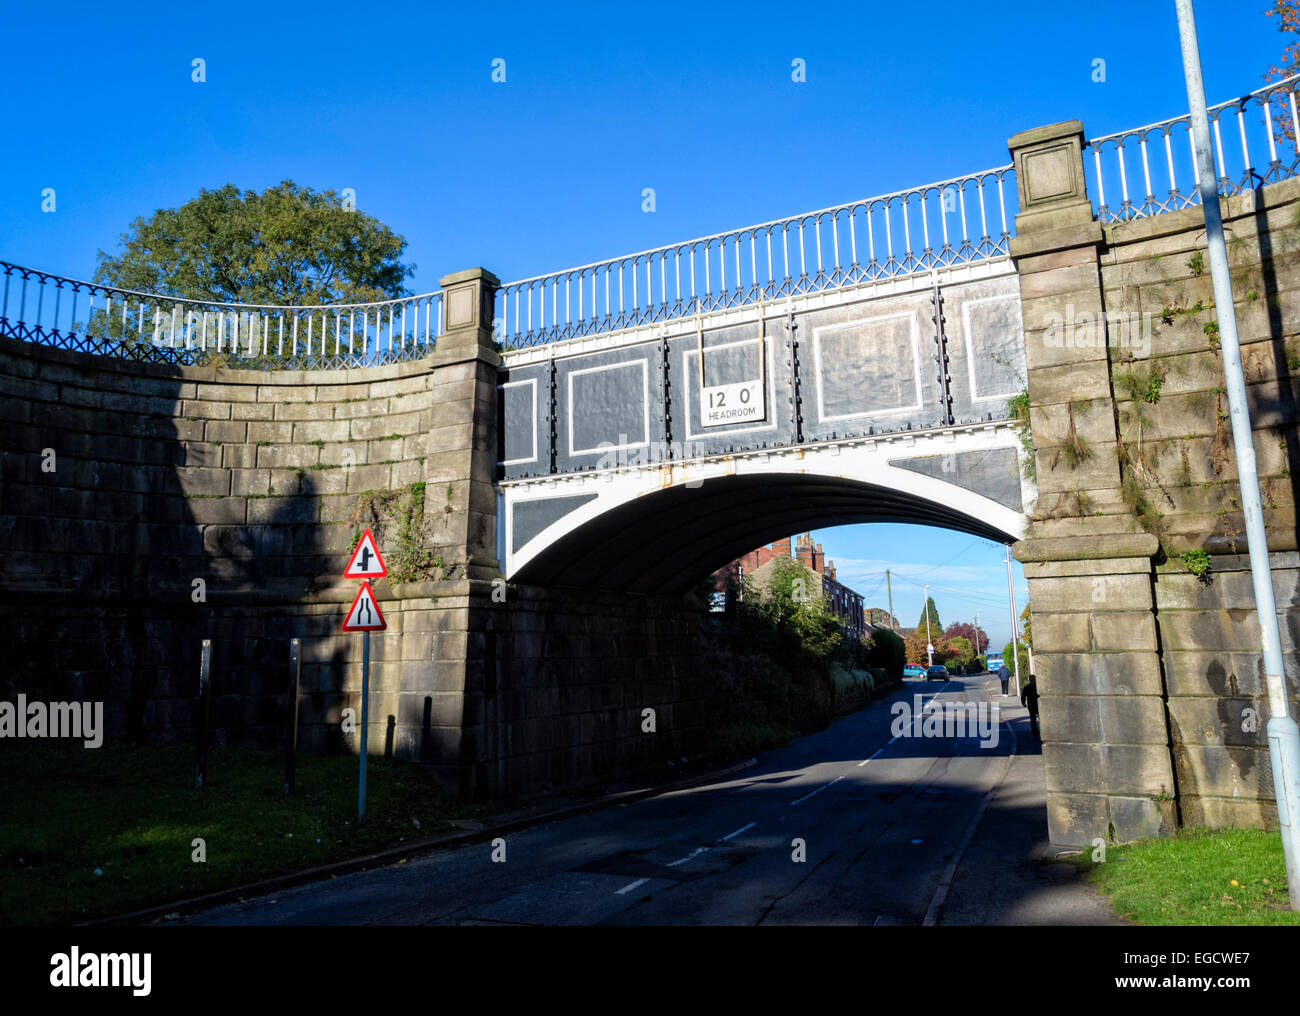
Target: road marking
{"type": "Point", "coordinates": [817, 791]}
{"type": "Point", "coordinates": [694, 853]}
{"type": "Point", "coordinates": [631, 885]}
{"type": "Point", "coordinates": [915, 720]}
{"type": "Point", "coordinates": [731, 836]}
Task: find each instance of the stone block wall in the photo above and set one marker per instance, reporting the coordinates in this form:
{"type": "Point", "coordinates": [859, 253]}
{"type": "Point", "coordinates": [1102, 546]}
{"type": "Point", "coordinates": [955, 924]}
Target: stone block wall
{"type": "Point", "coordinates": [1149, 674]}
{"type": "Point", "coordinates": [145, 508]}
{"type": "Point", "coordinates": [570, 679]}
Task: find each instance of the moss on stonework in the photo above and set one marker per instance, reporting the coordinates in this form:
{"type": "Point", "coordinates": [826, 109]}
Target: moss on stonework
{"type": "Point", "coordinates": [409, 557]}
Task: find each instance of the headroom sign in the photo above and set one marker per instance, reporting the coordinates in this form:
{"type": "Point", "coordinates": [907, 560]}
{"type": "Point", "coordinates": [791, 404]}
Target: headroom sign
{"type": "Point", "coordinates": [738, 401]}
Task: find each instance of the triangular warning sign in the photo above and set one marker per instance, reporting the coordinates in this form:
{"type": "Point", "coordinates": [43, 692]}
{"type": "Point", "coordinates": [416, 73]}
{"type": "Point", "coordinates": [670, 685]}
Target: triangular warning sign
{"type": "Point", "coordinates": [364, 614]}
{"type": "Point", "coordinates": [366, 562]}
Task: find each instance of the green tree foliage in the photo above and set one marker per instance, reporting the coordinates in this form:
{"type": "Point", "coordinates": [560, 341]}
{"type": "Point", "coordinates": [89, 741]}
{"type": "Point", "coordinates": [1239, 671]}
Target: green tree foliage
{"type": "Point", "coordinates": [286, 245]}
{"type": "Point", "coordinates": [959, 651]}
{"type": "Point", "coordinates": [796, 608]}
{"type": "Point", "coordinates": [1009, 662]}
{"type": "Point", "coordinates": [1025, 633]}
{"type": "Point", "coordinates": [887, 652]}
{"type": "Point", "coordinates": [978, 639]}
{"type": "Point", "coordinates": [936, 628]}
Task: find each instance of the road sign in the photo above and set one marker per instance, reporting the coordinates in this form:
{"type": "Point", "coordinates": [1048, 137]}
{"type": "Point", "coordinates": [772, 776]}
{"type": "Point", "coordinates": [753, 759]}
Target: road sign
{"type": "Point", "coordinates": [929, 648]}
{"type": "Point", "coordinates": [366, 562]}
{"type": "Point", "coordinates": [364, 614]}
{"type": "Point", "coordinates": [741, 402]}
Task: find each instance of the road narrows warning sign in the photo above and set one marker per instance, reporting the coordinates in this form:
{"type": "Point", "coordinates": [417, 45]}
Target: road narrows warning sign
{"type": "Point", "coordinates": [364, 614]}
{"type": "Point", "coordinates": [366, 562]}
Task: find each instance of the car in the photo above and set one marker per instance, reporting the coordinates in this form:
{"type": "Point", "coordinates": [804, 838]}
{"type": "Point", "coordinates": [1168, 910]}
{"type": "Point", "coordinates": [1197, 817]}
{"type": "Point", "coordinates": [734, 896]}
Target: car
{"type": "Point", "coordinates": [938, 671]}
{"type": "Point", "coordinates": [994, 665]}
{"type": "Point", "coordinates": [913, 670]}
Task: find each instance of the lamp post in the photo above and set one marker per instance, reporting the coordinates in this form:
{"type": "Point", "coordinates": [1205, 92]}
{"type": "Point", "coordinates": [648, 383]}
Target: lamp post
{"type": "Point", "coordinates": [1283, 734]}
{"type": "Point", "coordinates": [929, 644]}
{"type": "Point", "coordinates": [1015, 628]}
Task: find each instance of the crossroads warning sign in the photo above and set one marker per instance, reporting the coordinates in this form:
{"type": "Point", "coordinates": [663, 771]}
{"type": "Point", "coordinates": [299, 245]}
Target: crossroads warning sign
{"type": "Point", "coordinates": [366, 562]}
{"type": "Point", "coordinates": [364, 614]}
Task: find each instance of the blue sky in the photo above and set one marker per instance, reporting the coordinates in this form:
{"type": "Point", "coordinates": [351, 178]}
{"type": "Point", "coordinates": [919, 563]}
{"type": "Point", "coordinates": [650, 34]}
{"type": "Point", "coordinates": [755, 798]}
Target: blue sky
{"type": "Point", "coordinates": [600, 101]}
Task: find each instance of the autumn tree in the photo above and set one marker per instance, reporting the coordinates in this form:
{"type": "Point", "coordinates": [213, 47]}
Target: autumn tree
{"type": "Point", "coordinates": [1287, 15]}
{"type": "Point", "coordinates": [977, 638]}
{"type": "Point", "coordinates": [914, 649]}
{"type": "Point", "coordinates": [958, 650]}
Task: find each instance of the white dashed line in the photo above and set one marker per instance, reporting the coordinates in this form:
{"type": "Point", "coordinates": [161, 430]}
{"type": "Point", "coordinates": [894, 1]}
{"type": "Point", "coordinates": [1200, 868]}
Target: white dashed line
{"type": "Point", "coordinates": [915, 720]}
{"type": "Point", "coordinates": [732, 836]}
{"type": "Point", "coordinates": [817, 791]}
{"type": "Point", "coordinates": [683, 860]}
{"type": "Point", "coordinates": [630, 886]}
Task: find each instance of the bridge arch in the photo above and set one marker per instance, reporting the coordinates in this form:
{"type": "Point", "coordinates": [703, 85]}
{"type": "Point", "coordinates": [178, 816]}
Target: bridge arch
{"type": "Point", "coordinates": [661, 529]}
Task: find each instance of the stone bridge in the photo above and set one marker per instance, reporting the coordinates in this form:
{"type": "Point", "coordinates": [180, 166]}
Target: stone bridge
{"type": "Point", "coordinates": [551, 463]}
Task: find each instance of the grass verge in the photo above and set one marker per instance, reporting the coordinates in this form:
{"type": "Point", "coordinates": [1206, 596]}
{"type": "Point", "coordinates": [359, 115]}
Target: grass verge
{"type": "Point", "coordinates": [96, 833]}
{"type": "Point", "coordinates": [1224, 877]}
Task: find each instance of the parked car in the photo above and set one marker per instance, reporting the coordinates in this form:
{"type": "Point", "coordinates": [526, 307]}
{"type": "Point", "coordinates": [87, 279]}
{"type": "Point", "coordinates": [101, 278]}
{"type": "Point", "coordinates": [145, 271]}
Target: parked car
{"type": "Point", "coordinates": [913, 670]}
{"type": "Point", "coordinates": [937, 673]}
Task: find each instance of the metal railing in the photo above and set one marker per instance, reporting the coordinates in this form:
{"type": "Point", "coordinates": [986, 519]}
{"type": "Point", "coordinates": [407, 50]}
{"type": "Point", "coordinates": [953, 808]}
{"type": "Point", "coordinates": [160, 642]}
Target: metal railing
{"type": "Point", "coordinates": [91, 318]}
{"type": "Point", "coordinates": [1128, 172]}
{"type": "Point", "coordinates": [951, 222]}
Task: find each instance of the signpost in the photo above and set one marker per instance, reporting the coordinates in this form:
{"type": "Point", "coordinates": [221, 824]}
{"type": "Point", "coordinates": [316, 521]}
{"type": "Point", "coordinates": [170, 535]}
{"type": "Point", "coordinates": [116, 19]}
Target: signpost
{"type": "Point", "coordinates": [364, 616]}
{"type": "Point", "coordinates": [740, 401]}
{"type": "Point", "coordinates": [366, 562]}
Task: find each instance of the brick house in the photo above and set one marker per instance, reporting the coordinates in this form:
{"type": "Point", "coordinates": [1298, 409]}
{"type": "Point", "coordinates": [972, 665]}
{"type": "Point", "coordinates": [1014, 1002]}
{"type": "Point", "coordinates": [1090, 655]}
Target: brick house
{"type": "Point", "coordinates": [757, 566]}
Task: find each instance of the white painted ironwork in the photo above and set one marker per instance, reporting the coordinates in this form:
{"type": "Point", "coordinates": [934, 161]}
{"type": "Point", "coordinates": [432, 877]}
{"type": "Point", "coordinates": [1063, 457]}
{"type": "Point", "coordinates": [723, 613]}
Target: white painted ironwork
{"type": "Point", "coordinates": [40, 307]}
{"type": "Point", "coordinates": [1268, 113]}
{"type": "Point", "coordinates": [91, 318]}
{"type": "Point", "coordinates": [757, 271]}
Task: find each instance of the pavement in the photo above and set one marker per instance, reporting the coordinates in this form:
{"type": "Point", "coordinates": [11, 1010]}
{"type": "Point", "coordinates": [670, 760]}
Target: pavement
{"type": "Point", "coordinates": [884, 818]}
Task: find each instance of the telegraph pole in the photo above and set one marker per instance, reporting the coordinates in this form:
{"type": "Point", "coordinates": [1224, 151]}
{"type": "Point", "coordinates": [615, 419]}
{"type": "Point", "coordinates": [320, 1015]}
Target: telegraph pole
{"type": "Point", "coordinates": [1283, 734]}
{"type": "Point", "coordinates": [890, 586]}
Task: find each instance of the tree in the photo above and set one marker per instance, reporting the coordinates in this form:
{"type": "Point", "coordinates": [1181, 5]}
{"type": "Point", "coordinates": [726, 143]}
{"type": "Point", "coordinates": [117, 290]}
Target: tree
{"type": "Point", "coordinates": [959, 650]}
{"type": "Point", "coordinates": [979, 640]}
{"type": "Point", "coordinates": [936, 629]}
{"type": "Point", "coordinates": [1287, 13]}
{"type": "Point", "coordinates": [914, 648]}
{"type": "Point", "coordinates": [287, 245]}
{"type": "Point", "coordinates": [1025, 633]}
{"type": "Point", "coordinates": [793, 607]}
{"type": "Point", "coordinates": [1009, 662]}
{"type": "Point", "coordinates": [887, 650]}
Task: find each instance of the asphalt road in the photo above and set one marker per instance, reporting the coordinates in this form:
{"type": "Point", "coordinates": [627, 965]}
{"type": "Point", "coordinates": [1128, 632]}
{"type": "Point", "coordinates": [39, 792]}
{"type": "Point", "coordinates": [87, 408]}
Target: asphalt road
{"type": "Point", "coordinates": [854, 825]}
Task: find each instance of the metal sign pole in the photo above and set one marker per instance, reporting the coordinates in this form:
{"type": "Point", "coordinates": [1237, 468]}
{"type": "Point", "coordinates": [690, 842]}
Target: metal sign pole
{"type": "Point", "coordinates": [291, 742]}
{"type": "Point", "coordinates": [205, 703]}
{"type": "Point", "coordinates": [365, 723]}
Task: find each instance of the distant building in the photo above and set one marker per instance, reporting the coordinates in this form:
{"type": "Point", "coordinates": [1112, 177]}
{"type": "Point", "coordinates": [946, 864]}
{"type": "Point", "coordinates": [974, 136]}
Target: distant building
{"type": "Point", "coordinates": [878, 617]}
{"type": "Point", "coordinates": [757, 566]}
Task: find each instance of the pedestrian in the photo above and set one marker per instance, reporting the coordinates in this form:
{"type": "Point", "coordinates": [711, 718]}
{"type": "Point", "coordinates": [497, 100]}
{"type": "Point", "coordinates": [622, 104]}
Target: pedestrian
{"type": "Point", "coordinates": [1003, 675]}
{"type": "Point", "coordinates": [1029, 699]}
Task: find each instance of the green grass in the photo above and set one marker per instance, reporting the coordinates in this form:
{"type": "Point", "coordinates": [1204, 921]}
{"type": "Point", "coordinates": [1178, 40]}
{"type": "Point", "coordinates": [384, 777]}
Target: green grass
{"type": "Point", "coordinates": [131, 814]}
{"type": "Point", "coordinates": [1228, 877]}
